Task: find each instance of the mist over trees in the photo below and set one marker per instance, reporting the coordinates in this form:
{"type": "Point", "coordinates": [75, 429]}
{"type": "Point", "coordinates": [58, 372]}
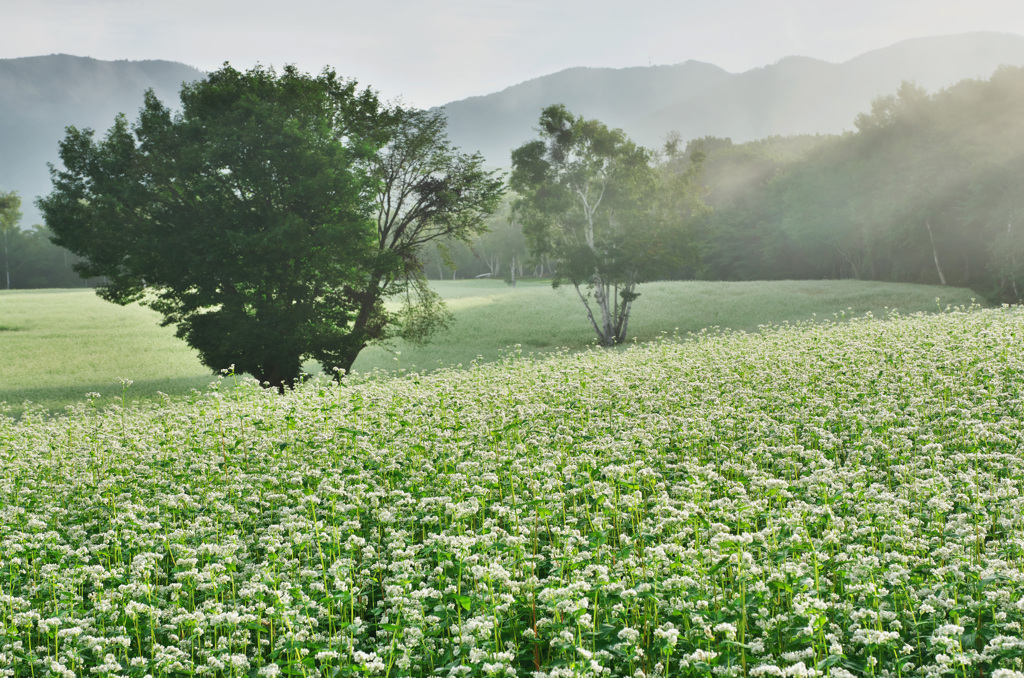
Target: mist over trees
{"type": "Point", "coordinates": [28, 258]}
{"type": "Point", "coordinates": [926, 190]}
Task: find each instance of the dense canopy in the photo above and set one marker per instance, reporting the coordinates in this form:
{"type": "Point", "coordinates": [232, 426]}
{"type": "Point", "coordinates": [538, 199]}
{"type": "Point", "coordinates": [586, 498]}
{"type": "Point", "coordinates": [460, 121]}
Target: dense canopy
{"type": "Point", "coordinates": [247, 219]}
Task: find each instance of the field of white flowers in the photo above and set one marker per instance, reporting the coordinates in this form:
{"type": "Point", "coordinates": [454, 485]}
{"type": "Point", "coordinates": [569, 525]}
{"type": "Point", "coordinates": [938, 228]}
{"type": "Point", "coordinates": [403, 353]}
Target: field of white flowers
{"type": "Point", "coordinates": [824, 500]}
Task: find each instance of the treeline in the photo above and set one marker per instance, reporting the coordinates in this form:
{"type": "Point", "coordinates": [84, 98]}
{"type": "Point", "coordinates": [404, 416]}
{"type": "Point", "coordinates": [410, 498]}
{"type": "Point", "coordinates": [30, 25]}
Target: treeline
{"type": "Point", "coordinates": [928, 188]}
{"type": "Point", "coordinates": [28, 258]}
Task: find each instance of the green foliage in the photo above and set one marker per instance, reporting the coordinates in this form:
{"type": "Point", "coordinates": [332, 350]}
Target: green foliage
{"type": "Point", "coordinates": [29, 258]}
{"type": "Point", "coordinates": [588, 198]}
{"type": "Point", "coordinates": [922, 191]}
{"type": "Point", "coordinates": [248, 220]}
{"type": "Point", "coordinates": [36, 263]}
{"type": "Point", "coordinates": [240, 220]}
{"type": "Point", "coordinates": [10, 206]}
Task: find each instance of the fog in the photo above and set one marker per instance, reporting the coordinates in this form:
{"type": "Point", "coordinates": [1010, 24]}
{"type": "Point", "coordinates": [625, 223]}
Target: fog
{"type": "Point", "coordinates": [443, 50]}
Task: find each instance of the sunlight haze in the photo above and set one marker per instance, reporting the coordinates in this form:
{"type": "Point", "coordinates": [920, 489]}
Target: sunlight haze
{"type": "Point", "coordinates": [433, 52]}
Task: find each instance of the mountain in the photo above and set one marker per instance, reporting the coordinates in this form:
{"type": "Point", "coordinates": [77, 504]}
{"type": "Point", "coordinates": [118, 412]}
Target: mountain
{"type": "Point", "coordinates": [40, 96]}
{"type": "Point", "coordinates": [797, 95]}
{"type": "Point", "coordinates": [495, 123]}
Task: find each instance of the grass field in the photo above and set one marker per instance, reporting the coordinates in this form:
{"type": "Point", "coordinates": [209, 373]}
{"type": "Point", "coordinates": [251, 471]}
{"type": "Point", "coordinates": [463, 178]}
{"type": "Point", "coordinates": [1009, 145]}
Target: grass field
{"type": "Point", "coordinates": [59, 345]}
{"type": "Point", "coordinates": [836, 499]}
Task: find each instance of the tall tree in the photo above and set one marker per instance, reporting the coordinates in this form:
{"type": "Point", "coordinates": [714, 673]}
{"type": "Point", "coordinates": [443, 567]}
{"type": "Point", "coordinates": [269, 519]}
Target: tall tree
{"type": "Point", "coordinates": [425, 191]}
{"type": "Point", "coordinates": [10, 215]}
{"type": "Point", "coordinates": [583, 194]}
{"type": "Point", "coordinates": [245, 220]}
{"type": "Point", "coordinates": [270, 219]}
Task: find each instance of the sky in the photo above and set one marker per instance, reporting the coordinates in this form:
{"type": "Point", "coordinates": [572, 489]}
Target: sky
{"type": "Point", "coordinates": [429, 52]}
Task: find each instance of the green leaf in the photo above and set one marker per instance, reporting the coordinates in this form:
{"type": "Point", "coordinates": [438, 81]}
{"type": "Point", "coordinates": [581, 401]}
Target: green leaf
{"type": "Point", "coordinates": [719, 565]}
{"type": "Point", "coordinates": [830, 660]}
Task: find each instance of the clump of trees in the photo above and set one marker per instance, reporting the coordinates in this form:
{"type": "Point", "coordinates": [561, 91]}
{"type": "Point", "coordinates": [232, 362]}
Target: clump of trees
{"type": "Point", "coordinates": [28, 258]}
{"type": "Point", "coordinates": [10, 215]}
{"type": "Point", "coordinates": [271, 218]}
{"type": "Point", "coordinates": [926, 189]}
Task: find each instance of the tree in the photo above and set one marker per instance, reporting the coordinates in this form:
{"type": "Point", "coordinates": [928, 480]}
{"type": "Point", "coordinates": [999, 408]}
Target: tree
{"type": "Point", "coordinates": [501, 251]}
{"type": "Point", "coordinates": [248, 219]}
{"type": "Point", "coordinates": [10, 215]}
{"type": "Point", "coordinates": [32, 261]}
{"type": "Point", "coordinates": [586, 195]}
{"type": "Point", "coordinates": [425, 192]}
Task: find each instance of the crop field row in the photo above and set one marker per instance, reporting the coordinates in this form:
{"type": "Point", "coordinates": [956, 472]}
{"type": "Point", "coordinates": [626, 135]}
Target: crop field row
{"type": "Point", "coordinates": [831, 499]}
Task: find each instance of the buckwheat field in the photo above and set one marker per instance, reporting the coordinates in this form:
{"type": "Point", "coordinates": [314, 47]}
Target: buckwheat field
{"type": "Point", "coordinates": [829, 499]}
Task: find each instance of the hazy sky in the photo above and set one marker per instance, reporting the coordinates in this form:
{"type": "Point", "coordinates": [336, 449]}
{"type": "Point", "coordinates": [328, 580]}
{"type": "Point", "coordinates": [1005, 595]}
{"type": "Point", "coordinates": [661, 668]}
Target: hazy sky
{"type": "Point", "coordinates": [433, 51]}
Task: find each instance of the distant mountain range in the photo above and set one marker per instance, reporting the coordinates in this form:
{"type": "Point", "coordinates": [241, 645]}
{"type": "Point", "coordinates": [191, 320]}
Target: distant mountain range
{"type": "Point", "coordinates": [40, 96]}
{"type": "Point", "coordinates": [797, 95]}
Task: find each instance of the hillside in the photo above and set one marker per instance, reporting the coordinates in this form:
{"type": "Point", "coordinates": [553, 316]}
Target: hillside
{"type": "Point", "coordinates": [763, 501]}
{"type": "Point", "coordinates": [797, 95]}
{"type": "Point", "coordinates": [497, 122]}
{"type": "Point", "coordinates": [40, 96]}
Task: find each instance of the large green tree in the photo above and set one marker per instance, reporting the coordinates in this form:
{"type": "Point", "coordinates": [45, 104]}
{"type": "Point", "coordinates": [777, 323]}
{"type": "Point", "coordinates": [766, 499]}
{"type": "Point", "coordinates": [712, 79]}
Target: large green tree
{"type": "Point", "coordinates": [588, 199]}
{"type": "Point", "coordinates": [247, 220]}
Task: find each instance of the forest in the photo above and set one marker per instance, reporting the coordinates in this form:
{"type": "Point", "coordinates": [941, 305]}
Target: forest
{"type": "Point", "coordinates": [925, 189]}
{"type": "Point", "coordinates": [28, 258]}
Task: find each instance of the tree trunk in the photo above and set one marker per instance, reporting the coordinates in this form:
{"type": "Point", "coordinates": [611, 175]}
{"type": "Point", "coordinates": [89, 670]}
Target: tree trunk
{"type": "Point", "coordinates": [590, 313]}
{"type": "Point", "coordinates": [935, 252]}
{"type": "Point", "coordinates": [362, 331]}
{"type": "Point", "coordinates": [847, 256]}
{"type": "Point", "coordinates": [345, 364]}
{"type": "Point", "coordinates": [1013, 261]}
{"type": "Point", "coordinates": [622, 322]}
{"type": "Point", "coordinates": [7, 261]}
{"type": "Point", "coordinates": [606, 334]}
{"type": "Point", "coordinates": [275, 377]}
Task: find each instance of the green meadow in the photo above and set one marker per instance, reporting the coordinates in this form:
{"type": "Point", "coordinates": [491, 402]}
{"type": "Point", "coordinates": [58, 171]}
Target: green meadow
{"type": "Point", "coordinates": [60, 345]}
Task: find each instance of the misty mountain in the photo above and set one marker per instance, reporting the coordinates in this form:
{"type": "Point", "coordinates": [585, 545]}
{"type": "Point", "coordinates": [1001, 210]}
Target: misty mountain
{"type": "Point", "coordinates": [496, 123]}
{"type": "Point", "coordinates": [797, 95]}
{"type": "Point", "coordinates": [40, 96]}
